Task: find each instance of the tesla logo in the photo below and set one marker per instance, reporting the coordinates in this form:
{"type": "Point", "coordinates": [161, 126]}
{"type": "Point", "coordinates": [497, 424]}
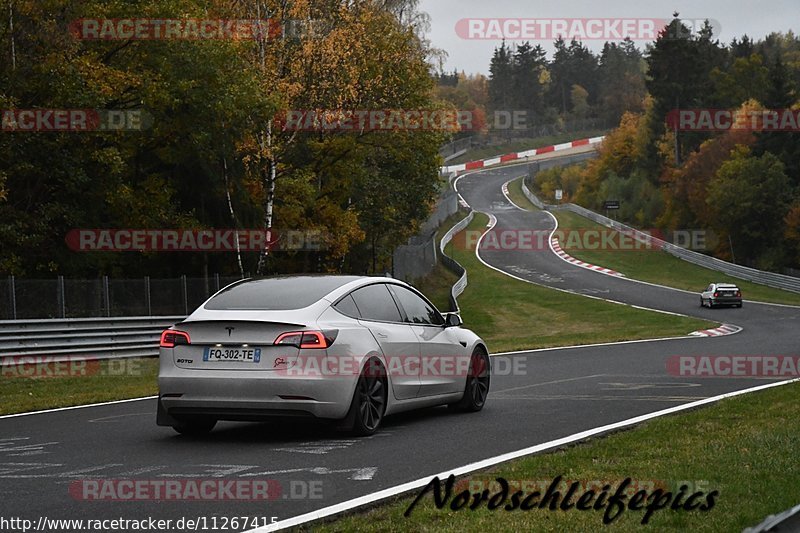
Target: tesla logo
{"type": "Point", "coordinates": [230, 330]}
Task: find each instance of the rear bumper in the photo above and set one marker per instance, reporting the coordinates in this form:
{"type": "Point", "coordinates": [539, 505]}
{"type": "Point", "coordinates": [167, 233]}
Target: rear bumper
{"type": "Point", "coordinates": [726, 301]}
{"type": "Point", "coordinates": [249, 395]}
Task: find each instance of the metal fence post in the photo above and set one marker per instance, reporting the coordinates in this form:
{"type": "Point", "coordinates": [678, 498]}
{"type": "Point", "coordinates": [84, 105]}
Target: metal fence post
{"type": "Point", "coordinates": [216, 282]}
{"type": "Point", "coordinates": [185, 294]}
{"type": "Point", "coordinates": [147, 295]}
{"type": "Point", "coordinates": [62, 305]}
{"type": "Point", "coordinates": [106, 296]}
{"type": "Point", "coordinates": [12, 292]}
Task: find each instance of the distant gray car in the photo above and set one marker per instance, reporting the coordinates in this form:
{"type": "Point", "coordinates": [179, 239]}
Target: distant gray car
{"type": "Point", "coordinates": [721, 294]}
{"type": "Point", "coordinates": [347, 348]}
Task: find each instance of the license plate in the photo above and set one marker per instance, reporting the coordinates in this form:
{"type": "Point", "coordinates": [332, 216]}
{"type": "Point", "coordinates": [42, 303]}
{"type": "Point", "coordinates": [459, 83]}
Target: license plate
{"type": "Point", "coordinates": [246, 355]}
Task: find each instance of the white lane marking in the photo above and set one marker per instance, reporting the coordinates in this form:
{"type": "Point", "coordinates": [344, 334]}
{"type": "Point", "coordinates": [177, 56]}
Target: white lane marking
{"type": "Point", "coordinates": [594, 397]}
{"type": "Point", "coordinates": [213, 470]}
{"type": "Point", "coordinates": [26, 471]}
{"type": "Point", "coordinates": [356, 474]}
{"type": "Point", "coordinates": [113, 418]}
{"type": "Point", "coordinates": [622, 386]}
{"type": "Point", "coordinates": [23, 450]}
{"type": "Point", "coordinates": [491, 461]}
{"type": "Point", "coordinates": [140, 471]}
{"type": "Point", "coordinates": [7, 470]}
{"type": "Point", "coordinates": [317, 448]}
{"type": "Point", "coordinates": [722, 331]}
{"type": "Point", "coordinates": [548, 383]}
{"type": "Point", "coordinates": [364, 474]}
{"type": "Point", "coordinates": [80, 472]}
{"type": "Point", "coordinates": [58, 409]}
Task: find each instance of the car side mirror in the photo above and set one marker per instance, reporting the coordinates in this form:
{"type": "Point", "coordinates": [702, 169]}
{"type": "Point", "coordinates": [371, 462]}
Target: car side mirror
{"type": "Point", "coordinates": [452, 320]}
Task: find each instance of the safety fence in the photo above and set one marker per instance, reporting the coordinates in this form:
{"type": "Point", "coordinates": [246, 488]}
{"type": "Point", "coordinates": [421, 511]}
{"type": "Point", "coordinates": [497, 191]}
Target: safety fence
{"type": "Point", "coordinates": [105, 297]}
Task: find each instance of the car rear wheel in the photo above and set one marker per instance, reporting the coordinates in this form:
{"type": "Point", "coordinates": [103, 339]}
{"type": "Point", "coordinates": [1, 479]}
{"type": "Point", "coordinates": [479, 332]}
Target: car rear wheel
{"type": "Point", "coordinates": [476, 389]}
{"type": "Point", "coordinates": [369, 401]}
{"type": "Point", "coordinates": [702, 302]}
{"type": "Point", "coordinates": [195, 426]}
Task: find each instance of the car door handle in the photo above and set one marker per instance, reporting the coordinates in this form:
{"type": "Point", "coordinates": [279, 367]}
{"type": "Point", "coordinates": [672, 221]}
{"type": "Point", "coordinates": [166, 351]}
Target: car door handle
{"type": "Point", "coordinates": [382, 335]}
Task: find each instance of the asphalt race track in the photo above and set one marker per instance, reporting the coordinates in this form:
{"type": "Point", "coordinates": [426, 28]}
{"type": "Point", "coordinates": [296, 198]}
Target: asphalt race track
{"type": "Point", "coordinates": [560, 393]}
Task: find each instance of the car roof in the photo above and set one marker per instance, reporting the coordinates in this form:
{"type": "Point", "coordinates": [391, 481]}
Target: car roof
{"type": "Point", "coordinates": [279, 293]}
{"type": "Point", "coordinates": [360, 281]}
{"type": "Point", "coordinates": [328, 289]}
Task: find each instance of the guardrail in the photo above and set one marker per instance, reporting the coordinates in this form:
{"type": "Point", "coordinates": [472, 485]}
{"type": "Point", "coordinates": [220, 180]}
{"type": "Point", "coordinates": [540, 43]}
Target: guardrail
{"type": "Point", "coordinates": [453, 265]}
{"type": "Point", "coordinates": [770, 279]}
{"type": "Point", "coordinates": [82, 338]}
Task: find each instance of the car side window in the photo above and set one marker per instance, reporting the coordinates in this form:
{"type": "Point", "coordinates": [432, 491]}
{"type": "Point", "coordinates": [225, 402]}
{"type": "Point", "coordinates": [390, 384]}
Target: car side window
{"type": "Point", "coordinates": [375, 303]}
{"type": "Point", "coordinates": [710, 288]}
{"type": "Point", "coordinates": [348, 307]}
{"type": "Point", "coordinates": [418, 311]}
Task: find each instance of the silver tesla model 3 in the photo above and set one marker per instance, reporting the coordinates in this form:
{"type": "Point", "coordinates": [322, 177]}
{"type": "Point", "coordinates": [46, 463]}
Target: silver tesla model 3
{"type": "Point", "coordinates": [347, 348]}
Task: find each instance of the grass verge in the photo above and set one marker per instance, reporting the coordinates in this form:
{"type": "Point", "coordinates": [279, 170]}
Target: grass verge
{"type": "Point", "coordinates": [47, 386]}
{"type": "Point", "coordinates": [740, 447]}
{"type": "Point", "coordinates": [502, 310]}
{"type": "Point", "coordinates": [517, 196]}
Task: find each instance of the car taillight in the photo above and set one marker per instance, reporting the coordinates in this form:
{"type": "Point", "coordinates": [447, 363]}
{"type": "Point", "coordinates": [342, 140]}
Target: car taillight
{"type": "Point", "coordinates": [171, 337]}
{"type": "Point", "coordinates": [716, 295]}
{"type": "Point", "coordinates": [307, 339]}
{"type": "Point", "coordinates": [738, 294]}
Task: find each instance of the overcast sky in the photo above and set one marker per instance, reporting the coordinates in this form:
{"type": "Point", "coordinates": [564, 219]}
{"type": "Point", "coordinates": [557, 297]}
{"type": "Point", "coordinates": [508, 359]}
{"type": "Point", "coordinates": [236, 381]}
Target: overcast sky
{"type": "Point", "coordinates": [735, 18]}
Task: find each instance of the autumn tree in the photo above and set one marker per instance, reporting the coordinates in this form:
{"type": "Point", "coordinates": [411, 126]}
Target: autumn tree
{"type": "Point", "coordinates": [748, 201]}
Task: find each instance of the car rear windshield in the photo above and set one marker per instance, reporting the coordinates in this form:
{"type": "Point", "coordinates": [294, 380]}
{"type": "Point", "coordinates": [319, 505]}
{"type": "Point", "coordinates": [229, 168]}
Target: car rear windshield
{"type": "Point", "coordinates": [276, 294]}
